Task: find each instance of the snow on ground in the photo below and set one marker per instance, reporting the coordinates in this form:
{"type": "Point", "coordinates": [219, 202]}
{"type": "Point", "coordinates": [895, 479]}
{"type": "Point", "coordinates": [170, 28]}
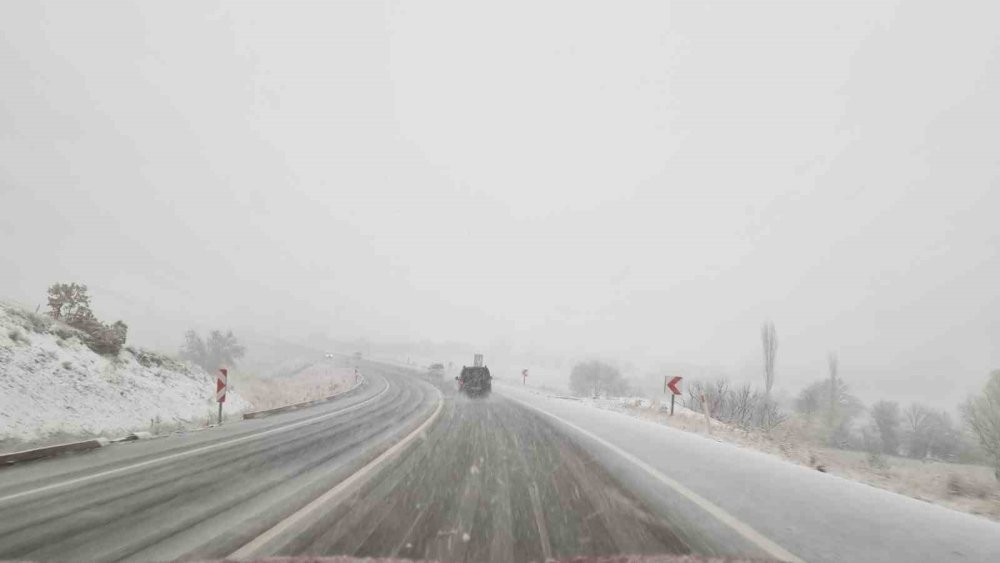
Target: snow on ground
{"type": "Point", "coordinates": [53, 387]}
{"type": "Point", "coordinates": [963, 487]}
{"type": "Point", "coordinates": [814, 515]}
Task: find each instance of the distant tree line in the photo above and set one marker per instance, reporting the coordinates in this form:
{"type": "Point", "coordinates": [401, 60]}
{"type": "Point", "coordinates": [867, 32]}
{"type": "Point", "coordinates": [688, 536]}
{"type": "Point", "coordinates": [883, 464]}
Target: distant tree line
{"type": "Point", "coordinates": [837, 416]}
{"type": "Point", "coordinates": [219, 349]}
{"type": "Point", "coordinates": [594, 378]}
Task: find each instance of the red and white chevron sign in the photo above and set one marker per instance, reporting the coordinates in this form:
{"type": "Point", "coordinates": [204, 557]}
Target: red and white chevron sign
{"type": "Point", "coordinates": [221, 381]}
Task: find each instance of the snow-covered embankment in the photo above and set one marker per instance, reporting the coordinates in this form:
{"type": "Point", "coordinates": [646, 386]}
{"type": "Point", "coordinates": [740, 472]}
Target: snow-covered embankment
{"type": "Point", "coordinates": [52, 386]}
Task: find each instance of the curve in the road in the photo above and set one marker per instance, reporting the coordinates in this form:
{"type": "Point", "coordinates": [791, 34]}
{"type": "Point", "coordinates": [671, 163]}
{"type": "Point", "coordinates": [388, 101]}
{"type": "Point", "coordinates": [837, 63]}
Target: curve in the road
{"type": "Point", "coordinates": [191, 452]}
{"type": "Point", "coordinates": [268, 542]}
{"type": "Point", "coordinates": [205, 494]}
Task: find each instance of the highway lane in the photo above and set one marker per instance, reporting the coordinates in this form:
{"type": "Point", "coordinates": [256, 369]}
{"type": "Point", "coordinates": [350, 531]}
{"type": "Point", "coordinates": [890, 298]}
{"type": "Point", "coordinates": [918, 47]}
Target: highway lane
{"type": "Point", "coordinates": [490, 482]}
{"type": "Point", "coordinates": [202, 494]}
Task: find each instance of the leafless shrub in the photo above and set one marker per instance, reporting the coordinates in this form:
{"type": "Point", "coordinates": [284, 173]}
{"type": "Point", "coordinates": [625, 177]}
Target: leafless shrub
{"type": "Point", "coordinates": [716, 394]}
{"type": "Point", "coordinates": [769, 415]}
{"type": "Point", "coordinates": [929, 433]}
{"type": "Point", "coordinates": [742, 406]}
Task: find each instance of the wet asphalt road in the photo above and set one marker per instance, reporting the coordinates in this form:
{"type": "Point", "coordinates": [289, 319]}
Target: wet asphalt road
{"type": "Point", "coordinates": [491, 482]}
{"type": "Point", "coordinates": [208, 503]}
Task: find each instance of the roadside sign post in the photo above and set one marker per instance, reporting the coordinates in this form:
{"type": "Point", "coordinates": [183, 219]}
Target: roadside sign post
{"type": "Point", "coordinates": [672, 384]}
{"type": "Point", "coordinates": [221, 383]}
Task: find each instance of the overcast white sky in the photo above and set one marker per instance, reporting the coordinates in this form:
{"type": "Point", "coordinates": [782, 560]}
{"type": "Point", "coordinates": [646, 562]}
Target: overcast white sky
{"type": "Point", "coordinates": [651, 179]}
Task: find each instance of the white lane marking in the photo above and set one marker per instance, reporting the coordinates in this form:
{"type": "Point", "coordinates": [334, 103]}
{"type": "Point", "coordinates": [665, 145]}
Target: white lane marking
{"type": "Point", "coordinates": [187, 453]}
{"type": "Point", "coordinates": [255, 546]}
{"type": "Point", "coordinates": [740, 527]}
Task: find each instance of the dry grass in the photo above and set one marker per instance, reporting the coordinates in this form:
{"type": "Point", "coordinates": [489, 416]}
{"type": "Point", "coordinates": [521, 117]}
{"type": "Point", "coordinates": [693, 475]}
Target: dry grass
{"type": "Point", "coordinates": [314, 382]}
{"type": "Point", "coordinates": [963, 487]}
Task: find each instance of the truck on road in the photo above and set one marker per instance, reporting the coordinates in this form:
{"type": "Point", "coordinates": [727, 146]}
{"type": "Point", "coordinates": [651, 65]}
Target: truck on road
{"type": "Point", "coordinates": [475, 380]}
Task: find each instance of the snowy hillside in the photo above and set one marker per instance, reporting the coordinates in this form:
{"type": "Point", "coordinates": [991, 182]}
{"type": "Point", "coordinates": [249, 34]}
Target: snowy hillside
{"type": "Point", "coordinates": [52, 385]}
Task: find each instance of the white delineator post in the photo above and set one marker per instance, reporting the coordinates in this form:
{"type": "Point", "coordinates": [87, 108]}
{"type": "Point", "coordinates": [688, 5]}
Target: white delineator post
{"type": "Point", "coordinates": [708, 418]}
{"type": "Point", "coordinates": [221, 383]}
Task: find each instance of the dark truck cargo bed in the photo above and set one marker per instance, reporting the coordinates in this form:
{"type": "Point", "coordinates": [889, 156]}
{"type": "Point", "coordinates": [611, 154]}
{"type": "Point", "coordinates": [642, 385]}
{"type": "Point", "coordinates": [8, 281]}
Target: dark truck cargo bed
{"type": "Point", "coordinates": [475, 381]}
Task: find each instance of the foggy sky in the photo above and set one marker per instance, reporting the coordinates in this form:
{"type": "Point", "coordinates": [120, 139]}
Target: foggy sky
{"type": "Point", "coordinates": [645, 180]}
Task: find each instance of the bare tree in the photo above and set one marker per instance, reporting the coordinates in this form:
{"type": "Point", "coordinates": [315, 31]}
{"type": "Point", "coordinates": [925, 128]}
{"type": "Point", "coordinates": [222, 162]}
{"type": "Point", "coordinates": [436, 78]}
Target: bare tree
{"type": "Point", "coordinates": [831, 400]}
{"type": "Point", "coordinates": [929, 433]}
{"type": "Point", "coordinates": [982, 413]}
{"type": "Point", "coordinates": [833, 364]}
{"type": "Point", "coordinates": [769, 339]}
{"type": "Point", "coordinates": [591, 377]}
{"type": "Point", "coordinates": [885, 416]}
{"type": "Point", "coordinates": [742, 406]}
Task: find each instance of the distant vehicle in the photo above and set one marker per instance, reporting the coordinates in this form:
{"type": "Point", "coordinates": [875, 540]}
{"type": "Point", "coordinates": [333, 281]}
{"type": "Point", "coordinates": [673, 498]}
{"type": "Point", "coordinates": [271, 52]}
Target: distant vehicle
{"type": "Point", "coordinates": [476, 380]}
{"type": "Point", "coordinates": [435, 371]}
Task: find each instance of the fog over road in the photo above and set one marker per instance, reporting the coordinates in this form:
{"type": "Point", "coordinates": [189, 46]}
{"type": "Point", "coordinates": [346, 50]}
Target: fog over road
{"type": "Point", "coordinates": [517, 476]}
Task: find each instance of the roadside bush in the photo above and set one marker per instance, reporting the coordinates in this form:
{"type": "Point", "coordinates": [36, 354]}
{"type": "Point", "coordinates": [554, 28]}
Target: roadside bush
{"type": "Point", "coordinates": [769, 415]}
{"type": "Point", "coordinates": [964, 487]}
{"type": "Point", "coordinates": [716, 395]}
{"type": "Point", "coordinates": [32, 322]}
{"type": "Point", "coordinates": [106, 340]}
{"type": "Point", "coordinates": [70, 303]}
{"type": "Point", "coordinates": [743, 407]}
{"type": "Point", "coordinates": [17, 336]}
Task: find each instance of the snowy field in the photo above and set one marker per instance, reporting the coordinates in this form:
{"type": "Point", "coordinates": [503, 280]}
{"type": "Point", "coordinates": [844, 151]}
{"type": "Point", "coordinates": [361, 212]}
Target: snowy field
{"type": "Point", "coordinates": [53, 388]}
